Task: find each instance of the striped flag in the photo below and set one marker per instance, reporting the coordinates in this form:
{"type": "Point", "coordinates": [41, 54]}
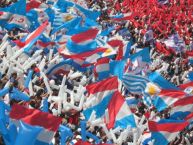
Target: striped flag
{"type": "Point", "coordinates": [83, 42]}
{"type": "Point", "coordinates": [165, 131]}
{"type": "Point", "coordinates": [182, 108]}
{"type": "Point", "coordinates": [135, 83]}
{"type": "Point", "coordinates": [102, 68]}
{"type": "Point", "coordinates": [119, 113]}
{"type": "Point", "coordinates": [34, 118]}
{"type": "Point", "coordinates": [166, 98]}
{"type": "Point", "coordinates": [101, 88]}
{"type": "Point", "coordinates": [33, 37]}
{"type": "Point", "coordinates": [62, 67]}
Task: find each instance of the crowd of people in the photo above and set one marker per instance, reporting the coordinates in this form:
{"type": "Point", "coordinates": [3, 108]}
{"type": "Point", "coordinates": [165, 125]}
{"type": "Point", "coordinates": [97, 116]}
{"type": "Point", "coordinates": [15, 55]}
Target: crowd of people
{"type": "Point", "coordinates": [172, 64]}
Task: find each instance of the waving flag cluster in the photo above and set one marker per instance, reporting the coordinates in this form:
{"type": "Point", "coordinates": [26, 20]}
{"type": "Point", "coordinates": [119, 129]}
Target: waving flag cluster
{"type": "Point", "coordinates": [63, 36]}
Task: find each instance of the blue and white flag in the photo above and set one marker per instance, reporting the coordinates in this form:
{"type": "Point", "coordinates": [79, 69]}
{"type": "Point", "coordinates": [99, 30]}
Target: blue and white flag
{"type": "Point", "coordinates": [135, 83]}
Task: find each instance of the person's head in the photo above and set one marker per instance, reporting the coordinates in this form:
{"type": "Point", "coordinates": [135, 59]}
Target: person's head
{"type": "Point", "coordinates": [14, 75]}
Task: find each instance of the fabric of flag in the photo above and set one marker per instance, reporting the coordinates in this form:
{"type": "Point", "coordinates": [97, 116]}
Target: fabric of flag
{"type": "Point", "coordinates": [132, 103]}
{"type": "Point", "coordinates": [67, 54]}
{"type": "Point", "coordinates": [35, 117]}
{"type": "Point", "coordinates": [83, 42]}
{"type": "Point", "coordinates": [101, 88]}
{"type": "Point", "coordinates": [134, 83]}
{"type": "Point", "coordinates": [148, 35]}
{"type": "Point", "coordinates": [18, 8]}
{"type": "Point", "coordinates": [144, 54]}
{"type": "Point", "coordinates": [146, 138]}
{"type": "Point", "coordinates": [175, 42]}
{"type": "Point", "coordinates": [107, 31]}
{"type": "Point", "coordinates": [18, 21]}
{"type": "Point", "coordinates": [33, 37]}
{"type": "Point", "coordinates": [187, 87]}
{"type": "Point", "coordinates": [190, 76]}
{"type": "Point", "coordinates": [127, 49]}
{"type": "Point", "coordinates": [119, 113]}
{"type": "Point", "coordinates": [32, 4]}
{"type": "Point", "coordinates": [93, 15]}
{"type": "Point", "coordinates": [102, 68]}
{"type": "Point", "coordinates": [16, 13]}
{"type": "Point", "coordinates": [68, 22]}
{"type": "Point", "coordinates": [152, 89]}
{"type": "Point", "coordinates": [10, 21]}
{"type": "Point", "coordinates": [117, 68]}
{"type": "Point", "coordinates": [189, 118]}
{"type": "Point", "coordinates": [182, 108]}
{"type": "Point", "coordinates": [91, 23]}
{"type": "Point", "coordinates": [166, 98]}
{"type": "Point", "coordinates": [85, 36]}
{"type": "Point", "coordinates": [165, 131]}
{"type": "Point", "coordinates": [100, 107]}
{"type": "Point", "coordinates": [61, 68]}
{"type": "Point", "coordinates": [161, 81]}
{"type": "Point", "coordinates": [63, 5]}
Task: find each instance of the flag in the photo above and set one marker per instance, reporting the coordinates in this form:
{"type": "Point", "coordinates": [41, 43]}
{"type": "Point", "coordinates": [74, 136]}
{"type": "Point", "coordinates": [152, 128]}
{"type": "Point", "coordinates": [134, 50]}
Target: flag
{"type": "Point", "coordinates": [119, 113]}
{"type": "Point", "coordinates": [182, 108]}
{"type": "Point", "coordinates": [81, 3]}
{"type": "Point", "coordinates": [144, 54]}
{"type": "Point", "coordinates": [66, 54]}
{"type": "Point", "coordinates": [175, 42]}
{"type": "Point", "coordinates": [33, 37]}
{"type": "Point", "coordinates": [10, 21]}
{"type": "Point", "coordinates": [85, 36]}
{"type": "Point", "coordinates": [100, 107]}
{"type": "Point", "coordinates": [38, 16]}
{"type": "Point", "coordinates": [190, 76]}
{"type": "Point", "coordinates": [83, 41]}
{"type": "Point", "coordinates": [34, 4]}
{"type": "Point", "coordinates": [102, 68]}
{"type": "Point", "coordinates": [135, 83]}
{"type": "Point", "coordinates": [116, 43]}
{"type": "Point", "coordinates": [148, 36]}
{"type": "Point", "coordinates": [107, 31]}
{"type": "Point", "coordinates": [117, 68]}
{"type": "Point", "coordinates": [146, 138]}
{"type": "Point", "coordinates": [189, 118]}
{"type": "Point", "coordinates": [152, 89]}
{"type": "Point", "coordinates": [18, 21]}
{"type": "Point", "coordinates": [166, 98]}
{"type": "Point", "coordinates": [101, 88]}
{"type": "Point", "coordinates": [93, 15]}
{"type": "Point", "coordinates": [132, 102]}
{"type": "Point", "coordinates": [161, 81]}
{"type": "Point", "coordinates": [62, 67]}
{"type": "Point", "coordinates": [63, 5]}
{"type": "Point", "coordinates": [18, 8]}
{"type": "Point", "coordinates": [187, 87]}
{"type": "Point", "coordinates": [85, 58]}
{"type": "Point", "coordinates": [68, 22]}
{"type": "Point", "coordinates": [35, 117]}
{"type": "Point", "coordinates": [165, 131]}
